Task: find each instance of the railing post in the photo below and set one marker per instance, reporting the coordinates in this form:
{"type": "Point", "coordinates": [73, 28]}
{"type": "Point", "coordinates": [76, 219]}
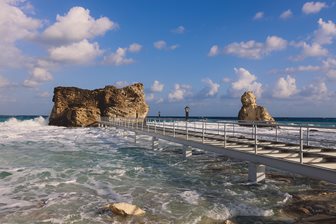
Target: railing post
{"type": "Point", "coordinates": [218, 128]}
{"type": "Point", "coordinates": [307, 136]}
{"type": "Point", "coordinates": [233, 130]}
{"type": "Point", "coordinates": [301, 146]}
{"type": "Point", "coordinates": [224, 135]}
{"type": "Point", "coordinates": [276, 133]}
{"type": "Point", "coordinates": [255, 139]}
{"type": "Point", "coordinates": [142, 124]}
{"type": "Point", "coordinates": [155, 126]}
{"type": "Point", "coordinates": [174, 129]}
{"type": "Point", "coordinates": [147, 123]}
{"type": "Point", "coordinates": [164, 132]}
{"type": "Point", "coordinates": [187, 130]}
{"type": "Point", "coordinates": [203, 125]}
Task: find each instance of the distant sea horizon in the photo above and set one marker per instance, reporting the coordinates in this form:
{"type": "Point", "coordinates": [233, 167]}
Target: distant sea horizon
{"type": "Point", "coordinates": [284, 120]}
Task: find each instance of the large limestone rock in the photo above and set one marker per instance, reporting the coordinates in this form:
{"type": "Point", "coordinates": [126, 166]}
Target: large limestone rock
{"type": "Point", "coordinates": [74, 107]}
{"type": "Point", "coordinates": [125, 209]}
{"type": "Point", "coordinates": [250, 111]}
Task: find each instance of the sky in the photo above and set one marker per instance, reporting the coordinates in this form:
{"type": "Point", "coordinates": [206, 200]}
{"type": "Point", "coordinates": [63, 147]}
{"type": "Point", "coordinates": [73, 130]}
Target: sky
{"type": "Point", "coordinates": [200, 53]}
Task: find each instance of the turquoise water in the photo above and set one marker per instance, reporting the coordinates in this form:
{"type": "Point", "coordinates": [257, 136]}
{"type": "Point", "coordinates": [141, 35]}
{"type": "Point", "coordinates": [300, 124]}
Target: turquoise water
{"type": "Point", "coordinates": [66, 175]}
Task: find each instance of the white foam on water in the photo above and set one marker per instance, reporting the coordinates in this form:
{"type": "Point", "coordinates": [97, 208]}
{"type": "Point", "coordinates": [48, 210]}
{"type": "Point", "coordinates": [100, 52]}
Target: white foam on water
{"type": "Point", "coordinates": [192, 197]}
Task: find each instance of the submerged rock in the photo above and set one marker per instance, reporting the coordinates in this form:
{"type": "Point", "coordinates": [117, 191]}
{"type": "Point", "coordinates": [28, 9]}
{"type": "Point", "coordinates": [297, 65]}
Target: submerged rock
{"type": "Point", "coordinates": [125, 209]}
{"type": "Point", "coordinates": [250, 111]}
{"type": "Point", "coordinates": [74, 107]}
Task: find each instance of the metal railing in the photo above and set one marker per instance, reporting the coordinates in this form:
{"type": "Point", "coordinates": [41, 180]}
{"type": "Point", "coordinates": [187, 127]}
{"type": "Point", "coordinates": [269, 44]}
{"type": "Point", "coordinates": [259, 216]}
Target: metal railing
{"type": "Point", "coordinates": [299, 139]}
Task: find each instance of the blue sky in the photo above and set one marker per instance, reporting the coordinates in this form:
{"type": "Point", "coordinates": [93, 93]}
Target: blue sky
{"type": "Point", "coordinates": [204, 54]}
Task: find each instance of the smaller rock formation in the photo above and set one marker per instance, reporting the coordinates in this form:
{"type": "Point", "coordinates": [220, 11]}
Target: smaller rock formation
{"type": "Point", "coordinates": [125, 209]}
{"type": "Point", "coordinates": [250, 111]}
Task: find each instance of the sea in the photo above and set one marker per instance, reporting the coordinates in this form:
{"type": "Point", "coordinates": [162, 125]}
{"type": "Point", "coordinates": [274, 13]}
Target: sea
{"type": "Point", "coordinates": [54, 174]}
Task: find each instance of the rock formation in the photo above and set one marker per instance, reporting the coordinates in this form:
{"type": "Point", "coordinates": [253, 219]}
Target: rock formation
{"type": "Point", "coordinates": [125, 209]}
{"type": "Point", "coordinates": [74, 107]}
{"type": "Point", "coordinates": [250, 111]}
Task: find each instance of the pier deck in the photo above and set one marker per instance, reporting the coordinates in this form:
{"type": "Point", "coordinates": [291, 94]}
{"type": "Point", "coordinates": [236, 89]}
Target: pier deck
{"type": "Point", "coordinates": [295, 149]}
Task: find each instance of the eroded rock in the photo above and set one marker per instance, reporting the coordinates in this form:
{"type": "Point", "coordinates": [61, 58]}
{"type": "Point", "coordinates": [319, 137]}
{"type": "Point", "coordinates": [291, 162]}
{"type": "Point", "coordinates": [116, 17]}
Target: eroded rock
{"type": "Point", "coordinates": [126, 209]}
{"type": "Point", "coordinates": [74, 107]}
{"type": "Point", "coordinates": [250, 111]}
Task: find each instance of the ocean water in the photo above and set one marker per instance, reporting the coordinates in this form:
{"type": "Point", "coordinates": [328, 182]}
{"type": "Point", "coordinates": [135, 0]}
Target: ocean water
{"type": "Point", "coordinates": [66, 175]}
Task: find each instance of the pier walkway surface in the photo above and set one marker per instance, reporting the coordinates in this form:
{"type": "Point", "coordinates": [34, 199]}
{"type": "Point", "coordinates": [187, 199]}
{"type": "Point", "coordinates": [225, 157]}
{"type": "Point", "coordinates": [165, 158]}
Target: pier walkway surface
{"type": "Point", "coordinates": [302, 149]}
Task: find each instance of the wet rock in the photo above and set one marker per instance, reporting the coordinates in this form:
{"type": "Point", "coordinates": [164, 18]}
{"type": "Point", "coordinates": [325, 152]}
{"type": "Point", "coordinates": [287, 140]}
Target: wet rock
{"type": "Point", "coordinates": [4, 174]}
{"type": "Point", "coordinates": [125, 209]}
{"type": "Point", "coordinates": [74, 107]}
{"type": "Point", "coordinates": [250, 111]}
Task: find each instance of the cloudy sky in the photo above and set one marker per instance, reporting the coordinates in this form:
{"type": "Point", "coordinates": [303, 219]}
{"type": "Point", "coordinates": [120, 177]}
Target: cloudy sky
{"type": "Point", "coordinates": [204, 54]}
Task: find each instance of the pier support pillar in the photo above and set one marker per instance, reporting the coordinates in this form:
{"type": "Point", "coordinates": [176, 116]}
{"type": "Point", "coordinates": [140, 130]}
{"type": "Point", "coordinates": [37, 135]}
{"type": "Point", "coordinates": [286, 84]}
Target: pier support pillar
{"type": "Point", "coordinates": [155, 143]}
{"type": "Point", "coordinates": [187, 151]}
{"type": "Point", "coordinates": [256, 172]}
{"type": "Point", "coordinates": [135, 138]}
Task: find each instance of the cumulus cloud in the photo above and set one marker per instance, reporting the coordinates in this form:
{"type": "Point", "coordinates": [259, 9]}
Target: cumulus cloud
{"type": "Point", "coordinates": [135, 47]}
{"type": "Point", "coordinates": [77, 53]}
{"type": "Point", "coordinates": [157, 87]}
{"type": "Point", "coordinates": [316, 91]}
{"type": "Point", "coordinates": [214, 51]}
{"type": "Point", "coordinates": [162, 45]}
{"type": "Point", "coordinates": [3, 82]}
{"type": "Point", "coordinates": [258, 16]}
{"type": "Point", "coordinates": [77, 25]}
{"type": "Point", "coordinates": [286, 14]}
{"type": "Point", "coordinates": [313, 7]}
{"type": "Point", "coordinates": [44, 94]}
{"type": "Point", "coordinates": [246, 82]}
{"type": "Point", "coordinates": [179, 30]}
{"type": "Point", "coordinates": [325, 33]}
{"type": "Point", "coordinates": [15, 25]}
{"type": "Point", "coordinates": [179, 92]}
{"type": "Point", "coordinates": [285, 87]}
{"type": "Point", "coordinates": [211, 88]}
{"type": "Point", "coordinates": [256, 50]}
{"type": "Point", "coordinates": [121, 84]}
{"type": "Point", "coordinates": [226, 80]}
{"type": "Point", "coordinates": [38, 76]}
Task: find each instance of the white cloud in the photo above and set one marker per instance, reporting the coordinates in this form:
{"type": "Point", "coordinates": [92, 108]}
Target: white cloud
{"type": "Point", "coordinates": [211, 88]}
{"type": "Point", "coordinates": [162, 45]}
{"type": "Point", "coordinates": [226, 80]}
{"type": "Point", "coordinates": [4, 82]}
{"type": "Point", "coordinates": [135, 47]}
{"type": "Point", "coordinates": [285, 87]}
{"type": "Point", "coordinates": [214, 50]}
{"type": "Point", "coordinates": [179, 92]}
{"type": "Point", "coordinates": [313, 50]}
{"type": "Point", "coordinates": [303, 68]}
{"type": "Point", "coordinates": [246, 82]}
{"type": "Point", "coordinates": [316, 91]}
{"type": "Point", "coordinates": [121, 84]}
{"type": "Point", "coordinates": [258, 16]}
{"type": "Point", "coordinates": [44, 94]}
{"type": "Point", "coordinates": [118, 58]}
{"type": "Point", "coordinates": [325, 33]}
{"type": "Point", "coordinates": [150, 97]}
{"type": "Point", "coordinates": [157, 87]}
{"type": "Point", "coordinates": [78, 53]}
{"type": "Point", "coordinates": [30, 83]}
{"type": "Point", "coordinates": [77, 25]}
{"type": "Point", "coordinates": [331, 74]}
{"type": "Point", "coordinates": [313, 7]}
{"type": "Point", "coordinates": [179, 30]}
{"type": "Point", "coordinates": [256, 50]}
{"type": "Point", "coordinates": [286, 14]}
{"type": "Point", "coordinates": [15, 25]}
{"type": "Point", "coordinates": [38, 76]}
